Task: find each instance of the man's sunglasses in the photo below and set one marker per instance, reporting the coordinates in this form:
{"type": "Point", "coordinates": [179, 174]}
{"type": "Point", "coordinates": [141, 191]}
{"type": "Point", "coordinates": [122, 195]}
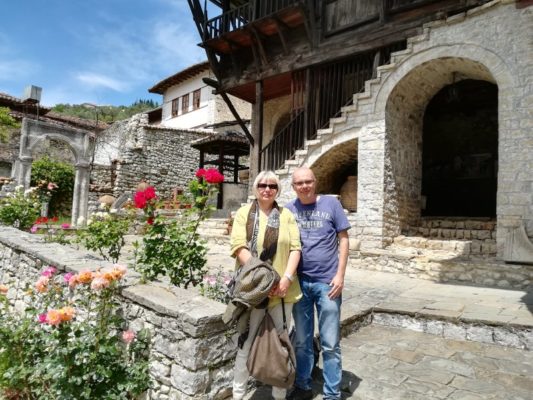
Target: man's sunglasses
{"type": "Point", "coordinates": [272, 186]}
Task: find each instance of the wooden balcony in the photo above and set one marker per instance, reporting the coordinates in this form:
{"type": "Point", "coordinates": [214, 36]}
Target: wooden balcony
{"type": "Point", "coordinates": [242, 26]}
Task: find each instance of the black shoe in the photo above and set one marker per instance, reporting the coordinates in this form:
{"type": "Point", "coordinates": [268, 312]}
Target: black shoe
{"type": "Point", "coordinates": [300, 394]}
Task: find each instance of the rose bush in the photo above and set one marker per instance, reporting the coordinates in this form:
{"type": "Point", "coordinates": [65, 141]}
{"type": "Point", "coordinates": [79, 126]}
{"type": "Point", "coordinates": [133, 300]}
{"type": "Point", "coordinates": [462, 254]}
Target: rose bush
{"type": "Point", "coordinates": [19, 209]}
{"type": "Point", "coordinates": [71, 342]}
{"type": "Point", "coordinates": [105, 233]}
{"type": "Point", "coordinates": [173, 247]}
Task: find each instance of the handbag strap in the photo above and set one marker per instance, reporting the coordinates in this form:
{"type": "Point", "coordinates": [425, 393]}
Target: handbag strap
{"type": "Point", "coordinates": [283, 311]}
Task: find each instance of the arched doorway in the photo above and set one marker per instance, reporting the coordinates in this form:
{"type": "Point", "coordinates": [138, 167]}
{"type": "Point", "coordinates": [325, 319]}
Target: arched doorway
{"type": "Point", "coordinates": [460, 151]}
{"type": "Point", "coordinates": [421, 122]}
{"type": "Point", "coordinates": [80, 142]}
{"type": "Point", "coordinates": [336, 173]}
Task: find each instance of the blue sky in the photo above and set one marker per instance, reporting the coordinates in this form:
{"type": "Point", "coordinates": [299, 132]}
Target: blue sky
{"type": "Point", "coordinates": [96, 51]}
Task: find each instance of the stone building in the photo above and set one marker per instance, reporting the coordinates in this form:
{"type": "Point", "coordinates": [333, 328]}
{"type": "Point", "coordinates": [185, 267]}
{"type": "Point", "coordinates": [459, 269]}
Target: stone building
{"type": "Point", "coordinates": [417, 113]}
{"type": "Point", "coordinates": [156, 146]}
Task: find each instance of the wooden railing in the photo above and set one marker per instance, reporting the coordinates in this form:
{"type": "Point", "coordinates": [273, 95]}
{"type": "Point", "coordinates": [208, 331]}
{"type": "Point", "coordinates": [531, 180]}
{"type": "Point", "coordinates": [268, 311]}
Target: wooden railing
{"type": "Point", "coordinates": [237, 18]}
{"type": "Point", "coordinates": [331, 87]}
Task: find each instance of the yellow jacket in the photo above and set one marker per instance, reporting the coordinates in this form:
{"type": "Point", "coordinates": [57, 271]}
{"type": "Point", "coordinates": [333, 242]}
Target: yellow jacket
{"type": "Point", "coordinates": [288, 240]}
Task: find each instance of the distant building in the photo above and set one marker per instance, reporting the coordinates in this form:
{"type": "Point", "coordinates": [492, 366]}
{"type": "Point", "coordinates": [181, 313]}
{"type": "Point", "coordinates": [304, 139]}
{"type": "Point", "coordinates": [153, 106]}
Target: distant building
{"type": "Point", "coordinates": [188, 103]}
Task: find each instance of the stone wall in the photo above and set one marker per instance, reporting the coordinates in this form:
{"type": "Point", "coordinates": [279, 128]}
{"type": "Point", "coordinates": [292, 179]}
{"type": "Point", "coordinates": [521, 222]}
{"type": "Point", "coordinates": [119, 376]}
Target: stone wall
{"type": "Point", "coordinates": [161, 156]}
{"type": "Point", "coordinates": [488, 43]}
{"type": "Point", "coordinates": [191, 354]}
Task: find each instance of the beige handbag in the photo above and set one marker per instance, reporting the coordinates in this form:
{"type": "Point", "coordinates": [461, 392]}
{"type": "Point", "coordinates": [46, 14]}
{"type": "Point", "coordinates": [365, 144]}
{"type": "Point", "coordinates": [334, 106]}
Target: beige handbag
{"type": "Point", "coordinates": [271, 359]}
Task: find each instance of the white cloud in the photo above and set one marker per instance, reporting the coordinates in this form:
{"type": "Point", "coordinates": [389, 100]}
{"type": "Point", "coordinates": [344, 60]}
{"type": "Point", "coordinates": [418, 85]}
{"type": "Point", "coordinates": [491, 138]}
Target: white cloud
{"type": "Point", "coordinates": [94, 80]}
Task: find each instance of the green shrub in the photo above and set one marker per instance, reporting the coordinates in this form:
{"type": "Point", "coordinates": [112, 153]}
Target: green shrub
{"type": "Point", "coordinates": [18, 209]}
{"type": "Point", "coordinates": [45, 171]}
{"type": "Point", "coordinates": [105, 233]}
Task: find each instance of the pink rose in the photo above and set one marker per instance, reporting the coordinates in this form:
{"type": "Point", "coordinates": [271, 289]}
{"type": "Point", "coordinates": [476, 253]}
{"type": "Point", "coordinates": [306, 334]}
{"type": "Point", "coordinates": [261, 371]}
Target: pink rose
{"type": "Point", "coordinates": [67, 277]}
{"type": "Point", "coordinates": [53, 317]}
{"type": "Point", "coordinates": [42, 284]}
{"type": "Point", "coordinates": [128, 336]}
{"type": "Point", "coordinates": [34, 229]}
{"type": "Point", "coordinates": [51, 270]}
{"type": "Point", "coordinates": [99, 283]}
{"type": "Point", "coordinates": [65, 226]}
{"type": "Point", "coordinates": [42, 318]}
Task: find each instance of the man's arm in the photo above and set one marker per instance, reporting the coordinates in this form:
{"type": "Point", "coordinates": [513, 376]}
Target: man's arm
{"type": "Point", "coordinates": [337, 283]}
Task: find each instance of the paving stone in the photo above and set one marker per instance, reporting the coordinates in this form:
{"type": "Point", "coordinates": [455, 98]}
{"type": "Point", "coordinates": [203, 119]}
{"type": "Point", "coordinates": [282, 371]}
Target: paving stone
{"type": "Point", "coordinates": [430, 389]}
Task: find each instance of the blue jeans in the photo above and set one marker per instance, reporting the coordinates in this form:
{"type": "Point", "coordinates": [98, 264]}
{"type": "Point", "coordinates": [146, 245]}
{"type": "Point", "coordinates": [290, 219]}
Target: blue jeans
{"type": "Point", "coordinates": [316, 293]}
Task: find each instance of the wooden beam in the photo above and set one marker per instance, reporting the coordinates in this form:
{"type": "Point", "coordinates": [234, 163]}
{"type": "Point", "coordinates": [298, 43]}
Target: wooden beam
{"type": "Point", "coordinates": [258, 41]}
{"type": "Point", "coordinates": [281, 27]}
{"type": "Point", "coordinates": [214, 84]}
{"type": "Point", "coordinates": [257, 129]}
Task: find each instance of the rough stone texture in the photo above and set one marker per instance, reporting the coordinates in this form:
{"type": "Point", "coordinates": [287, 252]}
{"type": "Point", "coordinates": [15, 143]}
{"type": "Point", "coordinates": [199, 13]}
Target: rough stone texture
{"type": "Point", "coordinates": [386, 121]}
{"type": "Point", "coordinates": [191, 355]}
{"type": "Point", "coordinates": [161, 156]}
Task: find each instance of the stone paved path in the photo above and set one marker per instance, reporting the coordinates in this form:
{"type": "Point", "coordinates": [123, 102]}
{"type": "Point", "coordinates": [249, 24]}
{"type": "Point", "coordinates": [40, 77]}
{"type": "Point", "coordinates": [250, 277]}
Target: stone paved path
{"type": "Point", "coordinates": [384, 363]}
{"type": "Point", "coordinates": [416, 339]}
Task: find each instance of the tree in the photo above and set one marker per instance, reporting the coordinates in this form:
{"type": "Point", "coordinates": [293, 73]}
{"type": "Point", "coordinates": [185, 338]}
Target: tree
{"type": "Point", "coordinates": [7, 123]}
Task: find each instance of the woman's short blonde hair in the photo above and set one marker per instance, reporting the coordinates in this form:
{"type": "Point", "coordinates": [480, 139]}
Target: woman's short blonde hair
{"type": "Point", "coordinates": [266, 176]}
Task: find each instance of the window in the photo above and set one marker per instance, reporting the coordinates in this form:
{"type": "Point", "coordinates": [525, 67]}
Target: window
{"type": "Point", "coordinates": [185, 103]}
{"type": "Point", "coordinates": [196, 99]}
{"type": "Point", "coordinates": [175, 107]}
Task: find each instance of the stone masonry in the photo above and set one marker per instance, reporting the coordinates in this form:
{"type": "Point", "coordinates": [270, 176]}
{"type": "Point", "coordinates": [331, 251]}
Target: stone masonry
{"type": "Point", "coordinates": [160, 155]}
{"type": "Point", "coordinates": [191, 355]}
{"type": "Point", "coordinates": [489, 43]}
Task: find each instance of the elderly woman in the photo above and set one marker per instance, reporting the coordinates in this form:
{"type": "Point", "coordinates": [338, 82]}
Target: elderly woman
{"type": "Point", "coordinates": [278, 240]}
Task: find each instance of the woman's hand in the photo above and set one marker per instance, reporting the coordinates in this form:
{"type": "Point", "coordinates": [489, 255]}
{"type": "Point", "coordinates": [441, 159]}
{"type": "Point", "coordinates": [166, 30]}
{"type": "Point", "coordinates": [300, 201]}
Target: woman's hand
{"type": "Point", "coordinates": [274, 291]}
{"type": "Point", "coordinates": [283, 287]}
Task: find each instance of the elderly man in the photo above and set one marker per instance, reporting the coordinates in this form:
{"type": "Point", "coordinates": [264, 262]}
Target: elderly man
{"type": "Point", "coordinates": [324, 236]}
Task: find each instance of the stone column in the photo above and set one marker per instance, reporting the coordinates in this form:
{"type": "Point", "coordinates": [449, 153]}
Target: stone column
{"type": "Point", "coordinates": [24, 171]}
{"type": "Point", "coordinates": [83, 200]}
{"type": "Point", "coordinates": [76, 197]}
{"type": "Point", "coordinates": [371, 185]}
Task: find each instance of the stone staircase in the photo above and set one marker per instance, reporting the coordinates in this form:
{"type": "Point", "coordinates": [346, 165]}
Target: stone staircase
{"type": "Point", "coordinates": [356, 114]}
{"type": "Point", "coordinates": [362, 111]}
{"type": "Point", "coordinates": [457, 237]}
{"type": "Point", "coordinates": [215, 230]}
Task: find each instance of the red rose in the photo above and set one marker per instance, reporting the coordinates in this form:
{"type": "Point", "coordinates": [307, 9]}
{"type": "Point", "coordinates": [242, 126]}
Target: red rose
{"type": "Point", "coordinates": [200, 173]}
{"type": "Point", "coordinates": [150, 221]}
{"type": "Point", "coordinates": [140, 200]}
{"type": "Point", "coordinates": [213, 176]}
{"type": "Point", "coordinates": [149, 193]}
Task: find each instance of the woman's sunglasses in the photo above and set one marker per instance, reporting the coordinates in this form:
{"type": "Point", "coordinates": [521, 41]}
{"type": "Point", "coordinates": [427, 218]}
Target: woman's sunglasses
{"type": "Point", "coordinates": [272, 186]}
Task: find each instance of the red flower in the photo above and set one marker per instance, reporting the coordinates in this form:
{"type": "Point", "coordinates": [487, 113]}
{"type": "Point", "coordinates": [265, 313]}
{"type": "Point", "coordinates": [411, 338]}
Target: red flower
{"type": "Point", "coordinates": [41, 220]}
{"type": "Point", "coordinates": [139, 200]}
{"type": "Point", "coordinates": [149, 193]}
{"type": "Point", "coordinates": [55, 219]}
{"type": "Point", "coordinates": [213, 176]}
{"type": "Point", "coordinates": [200, 173]}
{"type": "Point", "coordinates": [150, 221]}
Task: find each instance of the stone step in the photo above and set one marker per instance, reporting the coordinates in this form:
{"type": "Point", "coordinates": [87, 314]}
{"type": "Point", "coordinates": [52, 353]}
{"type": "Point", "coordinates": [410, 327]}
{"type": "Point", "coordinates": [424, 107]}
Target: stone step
{"type": "Point", "coordinates": [453, 223]}
{"type": "Point", "coordinates": [454, 246]}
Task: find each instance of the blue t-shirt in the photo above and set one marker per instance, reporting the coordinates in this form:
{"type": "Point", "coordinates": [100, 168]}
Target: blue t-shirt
{"type": "Point", "coordinates": [319, 225]}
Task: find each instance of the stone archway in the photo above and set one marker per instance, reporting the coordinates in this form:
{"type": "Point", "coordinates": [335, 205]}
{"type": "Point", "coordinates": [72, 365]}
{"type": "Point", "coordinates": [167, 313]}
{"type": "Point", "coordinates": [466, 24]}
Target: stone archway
{"type": "Point", "coordinates": [404, 114]}
{"type": "Point", "coordinates": [81, 142]}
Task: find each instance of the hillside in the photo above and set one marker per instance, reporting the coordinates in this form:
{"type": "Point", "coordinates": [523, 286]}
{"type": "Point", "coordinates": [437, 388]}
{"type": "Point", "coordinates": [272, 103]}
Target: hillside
{"type": "Point", "coordinates": [104, 113]}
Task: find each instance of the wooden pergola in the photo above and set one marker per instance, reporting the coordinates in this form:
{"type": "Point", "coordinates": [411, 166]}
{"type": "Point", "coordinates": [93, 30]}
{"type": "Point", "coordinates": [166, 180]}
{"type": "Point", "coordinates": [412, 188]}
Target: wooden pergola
{"type": "Point", "coordinates": [222, 151]}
